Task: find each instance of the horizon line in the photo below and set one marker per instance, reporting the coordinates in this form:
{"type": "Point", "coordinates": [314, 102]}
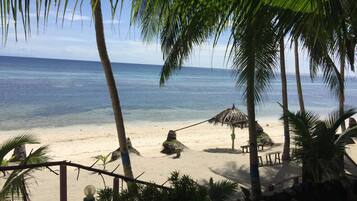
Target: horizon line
{"type": "Point", "coordinates": [148, 64]}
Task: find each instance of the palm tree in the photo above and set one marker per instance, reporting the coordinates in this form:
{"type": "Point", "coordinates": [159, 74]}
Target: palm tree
{"type": "Point", "coordinates": [102, 49]}
{"type": "Point", "coordinates": [297, 75]}
{"type": "Point", "coordinates": [252, 46]}
{"type": "Point", "coordinates": [318, 147]}
{"type": "Point", "coordinates": [341, 95]}
{"type": "Point", "coordinates": [326, 29]}
{"type": "Point", "coordinates": [15, 186]}
{"type": "Point", "coordinates": [17, 7]}
{"type": "Point", "coordinates": [284, 93]}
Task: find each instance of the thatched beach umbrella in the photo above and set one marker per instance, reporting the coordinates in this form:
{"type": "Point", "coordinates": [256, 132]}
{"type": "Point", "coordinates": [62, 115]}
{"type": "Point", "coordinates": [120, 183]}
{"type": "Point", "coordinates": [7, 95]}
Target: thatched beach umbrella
{"type": "Point", "coordinates": [233, 118]}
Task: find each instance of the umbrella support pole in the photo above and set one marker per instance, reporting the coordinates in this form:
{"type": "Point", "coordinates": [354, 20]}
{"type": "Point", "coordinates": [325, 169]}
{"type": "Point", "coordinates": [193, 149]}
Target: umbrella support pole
{"type": "Point", "coordinates": [233, 136]}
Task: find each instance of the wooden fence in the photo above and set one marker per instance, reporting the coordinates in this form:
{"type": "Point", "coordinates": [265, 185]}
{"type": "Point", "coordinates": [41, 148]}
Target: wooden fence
{"type": "Point", "coordinates": [63, 174]}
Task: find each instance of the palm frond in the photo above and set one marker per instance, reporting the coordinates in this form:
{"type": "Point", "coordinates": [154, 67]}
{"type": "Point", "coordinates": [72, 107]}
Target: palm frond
{"type": "Point", "coordinates": [182, 25]}
{"type": "Point", "coordinates": [221, 190]}
{"type": "Point", "coordinates": [12, 143]}
{"type": "Point", "coordinates": [327, 29]}
{"type": "Point", "coordinates": [258, 46]}
{"type": "Point", "coordinates": [10, 10]}
{"type": "Point", "coordinates": [349, 133]}
{"type": "Point", "coordinates": [16, 184]}
{"type": "Point", "coordinates": [316, 144]}
{"type": "Point", "coordinates": [335, 119]}
{"type": "Point", "coordinates": [40, 155]}
{"type": "Point", "coordinates": [302, 125]}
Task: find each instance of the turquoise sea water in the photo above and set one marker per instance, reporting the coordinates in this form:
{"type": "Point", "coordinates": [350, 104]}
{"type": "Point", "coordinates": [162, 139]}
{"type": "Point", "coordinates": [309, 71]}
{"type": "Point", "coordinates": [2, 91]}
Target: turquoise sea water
{"type": "Point", "coordinates": [47, 92]}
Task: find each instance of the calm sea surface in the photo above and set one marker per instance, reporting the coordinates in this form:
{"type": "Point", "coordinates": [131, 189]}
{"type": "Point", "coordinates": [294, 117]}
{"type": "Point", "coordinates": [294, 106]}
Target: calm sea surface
{"type": "Point", "coordinates": [47, 92]}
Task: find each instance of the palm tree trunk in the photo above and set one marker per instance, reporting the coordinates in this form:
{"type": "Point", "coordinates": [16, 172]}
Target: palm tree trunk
{"type": "Point", "coordinates": [253, 155]}
{"type": "Point", "coordinates": [20, 152]}
{"type": "Point", "coordinates": [102, 49]}
{"type": "Point", "coordinates": [342, 91]}
{"type": "Point", "coordinates": [233, 136]}
{"type": "Point", "coordinates": [298, 79]}
{"type": "Point", "coordinates": [20, 155]}
{"type": "Point", "coordinates": [341, 110]}
{"type": "Point", "coordinates": [284, 92]}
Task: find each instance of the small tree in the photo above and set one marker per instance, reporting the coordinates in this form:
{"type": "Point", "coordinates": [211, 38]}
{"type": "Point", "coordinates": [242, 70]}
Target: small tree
{"type": "Point", "coordinates": [318, 147]}
{"type": "Point", "coordinates": [15, 186]}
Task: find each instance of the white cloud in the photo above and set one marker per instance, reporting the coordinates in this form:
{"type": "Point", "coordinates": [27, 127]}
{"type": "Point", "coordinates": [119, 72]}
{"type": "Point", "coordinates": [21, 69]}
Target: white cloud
{"type": "Point", "coordinates": [68, 16]}
{"type": "Point", "coordinates": [114, 22]}
{"type": "Point", "coordinates": [75, 17]}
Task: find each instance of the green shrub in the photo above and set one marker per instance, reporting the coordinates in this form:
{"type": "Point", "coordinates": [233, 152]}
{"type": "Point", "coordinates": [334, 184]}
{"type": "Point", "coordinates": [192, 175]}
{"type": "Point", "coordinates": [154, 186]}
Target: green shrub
{"type": "Point", "coordinates": [105, 194]}
{"type": "Point", "coordinates": [183, 188]}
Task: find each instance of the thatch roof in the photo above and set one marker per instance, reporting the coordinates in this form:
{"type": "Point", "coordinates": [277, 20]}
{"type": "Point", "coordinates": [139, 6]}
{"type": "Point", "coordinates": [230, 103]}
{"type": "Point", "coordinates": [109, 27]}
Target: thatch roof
{"type": "Point", "coordinates": [231, 117]}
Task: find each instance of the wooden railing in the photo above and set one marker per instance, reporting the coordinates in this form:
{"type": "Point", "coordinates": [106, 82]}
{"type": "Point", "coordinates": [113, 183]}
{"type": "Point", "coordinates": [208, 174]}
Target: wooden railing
{"type": "Point", "coordinates": [63, 175]}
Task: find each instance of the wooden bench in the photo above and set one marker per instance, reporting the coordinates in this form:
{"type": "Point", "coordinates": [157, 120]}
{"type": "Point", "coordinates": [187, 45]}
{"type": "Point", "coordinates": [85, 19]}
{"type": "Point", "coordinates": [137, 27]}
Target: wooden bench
{"type": "Point", "coordinates": [246, 148]}
{"type": "Point", "coordinates": [277, 159]}
{"type": "Point", "coordinates": [276, 155]}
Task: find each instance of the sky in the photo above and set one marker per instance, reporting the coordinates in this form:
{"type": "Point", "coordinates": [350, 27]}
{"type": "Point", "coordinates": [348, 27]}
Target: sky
{"type": "Point", "coordinates": [76, 40]}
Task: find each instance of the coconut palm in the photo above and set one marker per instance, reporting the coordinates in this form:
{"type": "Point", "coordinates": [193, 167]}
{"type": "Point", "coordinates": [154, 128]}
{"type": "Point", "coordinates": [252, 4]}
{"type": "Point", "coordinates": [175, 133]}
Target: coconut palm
{"type": "Point", "coordinates": [99, 29]}
{"type": "Point", "coordinates": [297, 76]}
{"type": "Point", "coordinates": [317, 146]}
{"type": "Point", "coordinates": [182, 25]}
{"type": "Point", "coordinates": [15, 186]}
{"type": "Point", "coordinates": [284, 93]}
{"type": "Point", "coordinates": [326, 29]}
{"type": "Point", "coordinates": [11, 9]}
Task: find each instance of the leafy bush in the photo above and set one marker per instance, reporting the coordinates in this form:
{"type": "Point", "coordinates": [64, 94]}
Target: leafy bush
{"type": "Point", "coordinates": [221, 190]}
{"type": "Point", "coordinates": [183, 188]}
{"type": "Point", "coordinates": [105, 194]}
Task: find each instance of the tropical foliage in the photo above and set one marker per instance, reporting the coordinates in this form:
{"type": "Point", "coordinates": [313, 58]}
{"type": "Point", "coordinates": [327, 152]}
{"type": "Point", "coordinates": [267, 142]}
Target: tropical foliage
{"type": "Point", "coordinates": [317, 146]}
{"type": "Point", "coordinates": [15, 186]}
{"type": "Point", "coordinates": [182, 188]}
{"type": "Point", "coordinates": [326, 29]}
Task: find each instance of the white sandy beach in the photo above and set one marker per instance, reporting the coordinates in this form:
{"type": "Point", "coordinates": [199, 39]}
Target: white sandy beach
{"type": "Point", "coordinates": [80, 143]}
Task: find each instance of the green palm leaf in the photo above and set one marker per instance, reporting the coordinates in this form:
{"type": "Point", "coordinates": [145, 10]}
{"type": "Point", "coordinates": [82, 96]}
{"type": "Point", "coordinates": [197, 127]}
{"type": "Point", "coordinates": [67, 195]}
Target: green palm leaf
{"type": "Point", "coordinates": [12, 143]}
{"type": "Point", "coordinates": [16, 184]}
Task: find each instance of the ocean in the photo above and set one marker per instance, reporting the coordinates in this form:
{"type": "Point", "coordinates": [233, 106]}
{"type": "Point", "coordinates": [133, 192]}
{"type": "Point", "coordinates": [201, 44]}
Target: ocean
{"type": "Point", "coordinates": [49, 93]}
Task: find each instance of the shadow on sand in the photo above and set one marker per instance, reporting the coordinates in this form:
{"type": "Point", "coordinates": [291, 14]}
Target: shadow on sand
{"type": "Point", "coordinates": [223, 150]}
{"type": "Point", "coordinates": [237, 151]}
{"type": "Point", "coordinates": [240, 174]}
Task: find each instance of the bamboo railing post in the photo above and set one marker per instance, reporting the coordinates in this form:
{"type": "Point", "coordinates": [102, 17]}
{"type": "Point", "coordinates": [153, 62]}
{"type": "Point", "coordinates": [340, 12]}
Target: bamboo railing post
{"type": "Point", "coordinates": [116, 189]}
{"type": "Point", "coordinates": [63, 182]}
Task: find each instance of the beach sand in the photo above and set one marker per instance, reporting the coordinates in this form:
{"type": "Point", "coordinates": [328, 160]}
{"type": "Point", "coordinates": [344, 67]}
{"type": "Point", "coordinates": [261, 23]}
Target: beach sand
{"type": "Point", "coordinates": [207, 155]}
